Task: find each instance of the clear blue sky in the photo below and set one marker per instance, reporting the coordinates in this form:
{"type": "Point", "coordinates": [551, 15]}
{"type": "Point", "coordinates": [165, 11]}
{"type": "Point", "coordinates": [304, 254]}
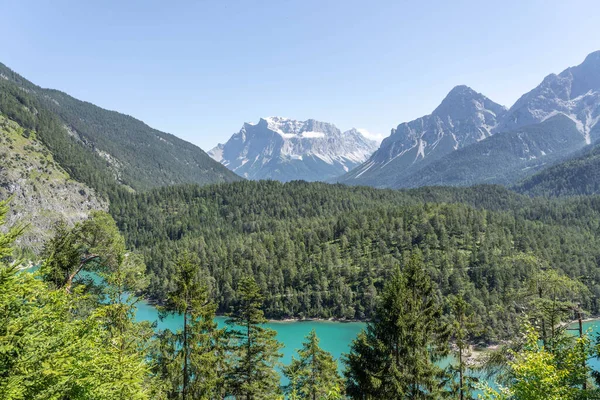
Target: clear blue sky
{"type": "Point", "coordinates": [199, 69]}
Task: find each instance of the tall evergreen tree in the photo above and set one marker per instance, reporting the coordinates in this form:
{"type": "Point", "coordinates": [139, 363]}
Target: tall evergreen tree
{"type": "Point", "coordinates": [461, 327]}
{"type": "Point", "coordinates": [537, 372]}
{"type": "Point", "coordinates": [395, 358]}
{"type": "Point", "coordinates": [255, 350]}
{"type": "Point", "coordinates": [314, 374]}
{"type": "Point", "coordinates": [192, 360]}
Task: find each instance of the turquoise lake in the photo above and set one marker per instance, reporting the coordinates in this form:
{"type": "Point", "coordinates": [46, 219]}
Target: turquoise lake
{"type": "Point", "coordinates": [335, 336]}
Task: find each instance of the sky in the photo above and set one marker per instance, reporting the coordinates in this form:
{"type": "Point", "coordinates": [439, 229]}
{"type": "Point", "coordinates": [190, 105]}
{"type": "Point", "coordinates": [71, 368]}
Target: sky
{"type": "Point", "coordinates": [200, 69]}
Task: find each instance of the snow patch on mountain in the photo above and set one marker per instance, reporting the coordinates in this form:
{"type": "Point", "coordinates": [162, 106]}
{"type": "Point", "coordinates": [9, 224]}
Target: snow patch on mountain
{"type": "Point", "coordinates": [286, 149]}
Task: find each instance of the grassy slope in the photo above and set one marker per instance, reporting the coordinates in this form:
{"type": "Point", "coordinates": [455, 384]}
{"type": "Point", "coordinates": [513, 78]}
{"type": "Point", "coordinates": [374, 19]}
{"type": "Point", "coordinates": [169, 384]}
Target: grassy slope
{"type": "Point", "coordinates": [42, 191]}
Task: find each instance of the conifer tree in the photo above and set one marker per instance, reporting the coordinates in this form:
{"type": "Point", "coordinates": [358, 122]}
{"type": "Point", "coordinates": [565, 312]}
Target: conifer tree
{"type": "Point", "coordinates": [395, 358]}
{"type": "Point", "coordinates": [461, 327]}
{"type": "Point", "coordinates": [49, 352]}
{"type": "Point", "coordinates": [313, 375]}
{"type": "Point", "coordinates": [192, 360]}
{"type": "Point", "coordinates": [252, 374]}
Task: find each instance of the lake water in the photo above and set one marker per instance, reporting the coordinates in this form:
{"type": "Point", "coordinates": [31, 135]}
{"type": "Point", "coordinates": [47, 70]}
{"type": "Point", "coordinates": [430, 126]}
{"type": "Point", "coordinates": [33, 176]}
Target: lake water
{"type": "Point", "coordinates": [335, 337]}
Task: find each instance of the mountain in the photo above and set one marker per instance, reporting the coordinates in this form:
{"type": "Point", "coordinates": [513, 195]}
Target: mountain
{"type": "Point", "coordinates": [575, 92]}
{"type": "Point", "coordinates": [41, 191]}
{"type": "Point", "coordinates": [422, 152]}
{"type": "Point", "coordinates": [464, 117]}
{"type": "Point", "coordinates": [130, 152]}
{"type": "Point", "coordinates": [578, 176]}
{"type": "Point", "coordinates": [545, 126]}
{"type": "Point", "coordinates": [504, 158]}
{"type": "Point", "coordinates": [285, 149]}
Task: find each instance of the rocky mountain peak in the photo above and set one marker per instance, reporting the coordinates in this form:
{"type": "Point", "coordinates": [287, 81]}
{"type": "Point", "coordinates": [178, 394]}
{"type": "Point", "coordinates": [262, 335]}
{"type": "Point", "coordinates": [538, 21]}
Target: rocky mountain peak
{"type": "Point", "coordinates": [287, 149]}
{"type": "Point", "coordinates": [463, 117]}
{"type": "Point", "coordinates": [463, 102]}
{"type": "Point", "coordinates": [575, 92]}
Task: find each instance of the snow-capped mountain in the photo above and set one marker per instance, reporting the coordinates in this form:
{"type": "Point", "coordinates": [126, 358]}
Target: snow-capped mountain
{"type": "Point", "coordinates": [464, 117]}
{"type": "Point", "coordinates": [286, 149]}
{"type": "Point", "coordinates": [575, 92]}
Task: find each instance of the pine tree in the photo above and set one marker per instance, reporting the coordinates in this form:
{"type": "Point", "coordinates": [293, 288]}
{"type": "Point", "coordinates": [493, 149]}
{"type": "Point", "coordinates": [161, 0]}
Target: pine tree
{"type": "Point", "coordinates": [192, 360]}
{"type": "Point", "coordinates": [395, 358]}
{"type": "Point", "coordinates": [255, 350]}
{"type": "Point", "coordinates": [462, 327]}
{"type": "Point", "coordinates": [313, 375]}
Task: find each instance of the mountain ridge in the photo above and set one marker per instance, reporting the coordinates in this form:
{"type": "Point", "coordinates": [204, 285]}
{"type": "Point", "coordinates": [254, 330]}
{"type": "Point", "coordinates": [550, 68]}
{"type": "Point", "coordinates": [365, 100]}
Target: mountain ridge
{"type": "Point", "coordinates": [463, 117]}
{"type": "Point", "coordinates": [138, 156]}
{"type": "Point", "coordinates": [404, 157]}
{"type": "Point", "coordinates": [286, 149]}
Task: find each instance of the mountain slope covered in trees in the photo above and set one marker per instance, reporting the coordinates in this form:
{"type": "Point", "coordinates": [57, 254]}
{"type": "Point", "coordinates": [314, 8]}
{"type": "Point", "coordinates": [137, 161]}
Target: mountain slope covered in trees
{"type": "Point", "coordinates": [132, 153]}
{"type": "Point", "coordinates": [577, 176]}
{"type": "Point", "coordinates": [319, 250]}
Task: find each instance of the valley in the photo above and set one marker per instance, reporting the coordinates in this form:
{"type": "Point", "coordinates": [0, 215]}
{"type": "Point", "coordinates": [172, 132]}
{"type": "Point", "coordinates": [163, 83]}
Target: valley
{"type": "Point", "coordinates": [475, 226]}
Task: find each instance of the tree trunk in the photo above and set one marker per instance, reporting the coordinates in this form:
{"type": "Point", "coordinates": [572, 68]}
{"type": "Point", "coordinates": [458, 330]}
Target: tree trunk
{"type": "Point", "coordinates": [460, 374]}
{"type": "Point", "coordinates": [69, 282]}
{"type": "Point", "coordinates": [185, 356]}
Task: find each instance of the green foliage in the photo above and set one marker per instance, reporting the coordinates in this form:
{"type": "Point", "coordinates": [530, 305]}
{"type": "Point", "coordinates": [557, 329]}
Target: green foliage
{"type": "Point", "coordinates": [7, 239]}
{"type": "Point", "coordinates": [255, 351]}
{"type": "Point", "coordinates": [578, 176]}
{"type": "Point", "coordinates": [318, 250]}
{"type": "Point", "coordinates": [105, 148]}
{"type": "Point", "coordinates": [552, 299]}
{"type": "Point", "coordinates": [192, 361]}
{"type": "Point", "coordinates": [396, 356]}
{"type": "Point", "coordinates": [49, 351]}
{"type": "Point", "coordinates": [314, 374]}
{"type": "Point", "coordinates": [94, 244]}
{"type": "Point", "coordinates": [462, 329]}
{"type": "Point", "coordinates": [538, 373]}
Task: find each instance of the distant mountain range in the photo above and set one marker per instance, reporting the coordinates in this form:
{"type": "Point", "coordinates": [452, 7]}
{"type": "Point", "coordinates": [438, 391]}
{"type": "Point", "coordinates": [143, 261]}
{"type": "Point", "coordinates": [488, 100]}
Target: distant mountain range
{"type": "Point", "coordinates": [469, 139]}
{"type": "Point", "coordinates": [285, 149]}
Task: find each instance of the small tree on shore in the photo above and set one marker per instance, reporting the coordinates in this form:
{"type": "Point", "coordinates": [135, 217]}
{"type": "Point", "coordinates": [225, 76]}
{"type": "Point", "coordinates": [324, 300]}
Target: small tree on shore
{"type": "Point", "coordinates": [314, 374]}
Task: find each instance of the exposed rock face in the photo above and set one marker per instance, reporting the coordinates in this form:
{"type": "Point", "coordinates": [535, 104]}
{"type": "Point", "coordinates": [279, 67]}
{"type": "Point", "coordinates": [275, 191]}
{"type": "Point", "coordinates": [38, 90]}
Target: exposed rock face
{"type": "Point", "coordinates": [464, 117]}
{"type": "Point", "coordinates": [575, 92]}
{"type": "Point", "coordinates": [285, 149]}
{"type": "Point", "coordinates": [423, 151]}
{"type": "Point", "coordinates": [41, 192]}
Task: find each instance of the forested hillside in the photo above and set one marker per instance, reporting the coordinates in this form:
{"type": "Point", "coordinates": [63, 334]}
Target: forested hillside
{"type": "Point", "coordinates": [320, 250]}
{"type": "Point", "coordinates": [578, 176]}
{"type": "Point", "coordinates": [121, 147]}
